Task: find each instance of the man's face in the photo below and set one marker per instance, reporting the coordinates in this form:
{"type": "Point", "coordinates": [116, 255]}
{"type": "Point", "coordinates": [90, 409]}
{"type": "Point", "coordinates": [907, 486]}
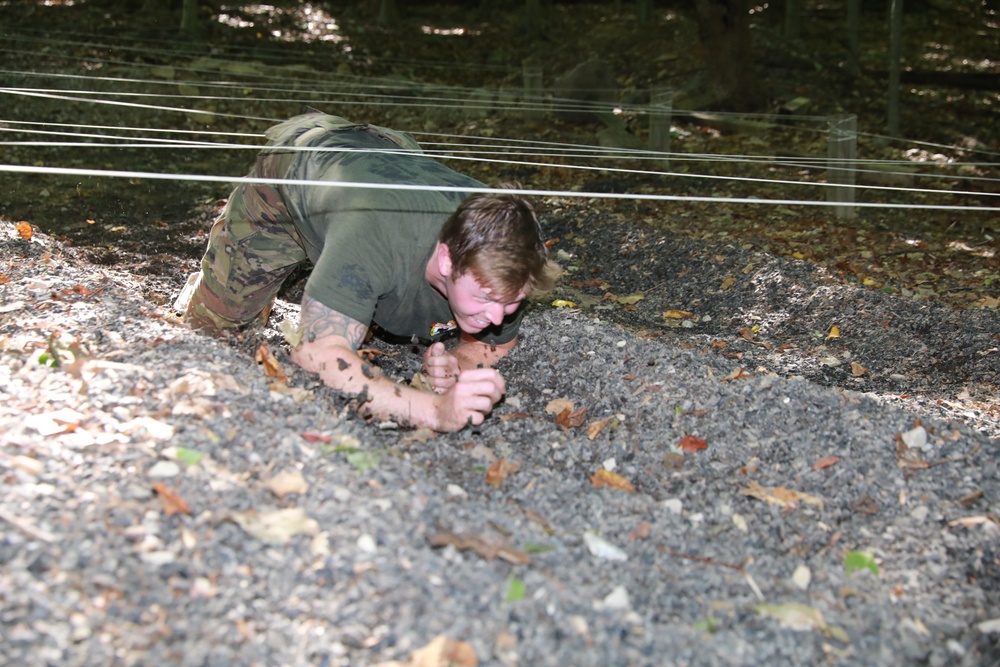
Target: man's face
{"type": "Point", "coordinates": [477, 307]}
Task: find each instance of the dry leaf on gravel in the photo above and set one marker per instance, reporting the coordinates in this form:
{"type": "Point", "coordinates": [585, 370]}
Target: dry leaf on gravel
{"type": "Point", "coordinates": [568, 419]}
{"type": "Point", "coordinates": [558, 405]}
{"type": "Point", "coordinates": [857, 370]}
{"type": "Point", "coordinates": [272, 368]}
{"type": "Point", "coordinates": [779, 495]}
{"type": "Point", "coordinates": [826, 462]}
{"type": "Point", "coordinates": [277, 526]}
{"type": "Point", "coordinates": [677, 314]}
{"type": "Point", "coordinates": [594, 428]}
{"type": "Point", "coordinates": [25, 231]}
{"type": "Point", "coordinates": [906, 458]}
{"type": "Point", "coordinates": [500, 470]}
{"type": "Point", "coordinates": [441, 652]}
{"type": "Point", "coordinates": [170, 500]}
{"type": "Point", "coordinates": [287, 482]}
{"type": "Point", "coordinates": [605, 477]}
{"type": "Point", "coordinates": [689, 443]}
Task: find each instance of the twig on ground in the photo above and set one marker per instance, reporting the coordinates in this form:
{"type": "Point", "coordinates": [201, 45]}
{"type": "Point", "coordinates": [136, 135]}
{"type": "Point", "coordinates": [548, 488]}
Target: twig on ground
{"type": "Point", "coordinates": [707, 560]}
{"type": "Point", "coordinates": [27, 528]}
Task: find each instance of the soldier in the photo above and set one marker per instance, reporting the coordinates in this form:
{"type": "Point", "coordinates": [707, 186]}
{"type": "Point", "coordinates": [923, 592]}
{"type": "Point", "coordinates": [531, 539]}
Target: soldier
{"type": "Point", "coordinates": [421, 262]}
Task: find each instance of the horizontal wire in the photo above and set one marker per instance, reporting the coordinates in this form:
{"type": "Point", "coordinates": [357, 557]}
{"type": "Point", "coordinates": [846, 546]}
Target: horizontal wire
{"type": "Point", "coordinates": [451, 155]}
{"type": "Point", "coordinates": [143, 175]}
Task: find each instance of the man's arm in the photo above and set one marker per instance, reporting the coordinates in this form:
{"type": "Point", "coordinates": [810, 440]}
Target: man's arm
{"type": "Point", "coordinates": [330, 341]}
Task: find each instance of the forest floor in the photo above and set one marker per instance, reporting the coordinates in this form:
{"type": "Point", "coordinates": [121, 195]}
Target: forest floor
{"type": "Point", "coordinates": [849, 368]}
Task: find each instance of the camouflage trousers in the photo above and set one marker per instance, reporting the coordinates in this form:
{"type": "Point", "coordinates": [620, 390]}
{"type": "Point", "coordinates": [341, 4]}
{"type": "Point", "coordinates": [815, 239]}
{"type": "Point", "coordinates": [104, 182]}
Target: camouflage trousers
{"type": "Point", "coordinates": [252, 248]}
{"type": "Point", "coordinates": [254, 245]}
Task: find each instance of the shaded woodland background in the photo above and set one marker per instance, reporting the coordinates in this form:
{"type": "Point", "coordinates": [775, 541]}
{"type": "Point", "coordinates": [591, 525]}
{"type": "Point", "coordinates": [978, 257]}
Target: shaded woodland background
{"type": "Point", "coordinates": [753, 85]}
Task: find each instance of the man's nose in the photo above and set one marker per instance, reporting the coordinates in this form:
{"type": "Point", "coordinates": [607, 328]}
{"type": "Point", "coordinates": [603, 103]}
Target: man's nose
{"type": "Point", "coordinates": [494, 312]}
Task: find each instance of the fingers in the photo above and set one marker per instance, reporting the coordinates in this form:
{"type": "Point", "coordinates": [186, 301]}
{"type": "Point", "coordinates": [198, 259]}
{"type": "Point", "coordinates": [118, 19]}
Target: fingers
{"type": "Point", "coordinates": [440, 367]}
{"type": "Point", "coordinates": [472, 397]}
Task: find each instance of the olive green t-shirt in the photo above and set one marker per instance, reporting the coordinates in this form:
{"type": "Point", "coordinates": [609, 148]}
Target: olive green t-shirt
{"type": "Point", "coordinates": [370, 247]}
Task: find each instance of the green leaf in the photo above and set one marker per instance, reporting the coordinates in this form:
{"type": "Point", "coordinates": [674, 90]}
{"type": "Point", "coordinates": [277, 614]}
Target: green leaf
{"type": "Point", "coordinates": [46, 359]}
{"type": "Point", "coordinates": [363, 460]}
{"type": "Point", "coordinates": [538, 548]}
{"type": "Point", "coordinates": [860, 560]}
{"type": "Point", "coordinates": [515, 590]}
{"type": "Point", "coordinates": [191, 457]}
{"type": "Point", "coordinates": [708, 626]}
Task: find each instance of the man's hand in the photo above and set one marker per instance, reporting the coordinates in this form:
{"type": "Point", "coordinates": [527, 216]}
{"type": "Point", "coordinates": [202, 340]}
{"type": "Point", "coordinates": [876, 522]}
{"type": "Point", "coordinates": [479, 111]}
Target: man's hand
{"type": "Point", "coordinates": [440, 367]}
{"type": "Point", "coordinates": [329, 347]}
{"type": "Point", "coordinates": [470, 399]}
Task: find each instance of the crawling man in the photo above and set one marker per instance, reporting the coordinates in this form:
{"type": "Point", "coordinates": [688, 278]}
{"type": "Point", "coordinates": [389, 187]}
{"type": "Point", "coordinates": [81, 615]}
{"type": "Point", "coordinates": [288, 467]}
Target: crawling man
{"type": "Point", "coordinates": [426, 262]}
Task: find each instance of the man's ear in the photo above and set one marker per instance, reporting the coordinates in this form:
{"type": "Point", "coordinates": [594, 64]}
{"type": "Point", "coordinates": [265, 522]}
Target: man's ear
{"type": "Point", "coordinates": [443, 260]}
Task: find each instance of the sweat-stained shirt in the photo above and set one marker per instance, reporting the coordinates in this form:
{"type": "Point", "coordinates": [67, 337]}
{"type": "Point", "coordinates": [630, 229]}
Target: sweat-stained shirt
{"type": "Point", "coordinates": [370, 247]}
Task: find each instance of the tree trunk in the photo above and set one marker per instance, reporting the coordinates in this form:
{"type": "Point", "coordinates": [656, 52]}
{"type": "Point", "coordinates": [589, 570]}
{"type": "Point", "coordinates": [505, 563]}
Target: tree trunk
{"type": "Point", "coordinates": [387, 14]}
{"type": "Point", "coordinates": [724, 31]}
{"type": "Point", "coordinates": [189, 17]}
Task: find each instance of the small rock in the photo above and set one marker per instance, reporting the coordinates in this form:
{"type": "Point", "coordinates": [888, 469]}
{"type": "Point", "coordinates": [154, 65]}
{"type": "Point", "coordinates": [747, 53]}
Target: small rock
{"type": "Point", "coordinates": [673, 505]}
{"type": "Point", "coordinates": [601, 548]}
{"type": "Point", "coordinates": [802, 577]}
{"type": "Point", "coordinates": [616, 600]}
{"type": "Point", "coordinates": [919, 513]}
{"type": "Point", "coordinates": [366, 544]}
{"type": "Point", "coordinates": [164, 469]}
{"type": "Point", "coordinates": [455, 491]}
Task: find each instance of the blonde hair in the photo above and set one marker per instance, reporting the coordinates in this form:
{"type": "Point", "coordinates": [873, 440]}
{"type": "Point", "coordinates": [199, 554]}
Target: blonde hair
{"type": "Point", "coordinates": [498, 238]}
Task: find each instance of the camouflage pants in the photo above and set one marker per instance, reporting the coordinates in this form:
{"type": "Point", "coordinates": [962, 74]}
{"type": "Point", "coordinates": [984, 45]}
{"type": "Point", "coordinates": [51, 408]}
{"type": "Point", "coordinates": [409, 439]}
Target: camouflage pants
{"type": "Point", "coordinates": [254, 246]}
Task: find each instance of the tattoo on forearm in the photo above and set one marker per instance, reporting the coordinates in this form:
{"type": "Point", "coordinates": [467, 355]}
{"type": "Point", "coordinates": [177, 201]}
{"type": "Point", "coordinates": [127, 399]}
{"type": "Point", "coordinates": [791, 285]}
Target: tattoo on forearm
{"type": "Point", "coordinates": [318, 322]}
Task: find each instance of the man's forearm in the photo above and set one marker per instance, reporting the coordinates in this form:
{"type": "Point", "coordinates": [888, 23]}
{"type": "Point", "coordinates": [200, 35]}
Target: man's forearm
{"type": "Point", "coordinates": [342, 369]}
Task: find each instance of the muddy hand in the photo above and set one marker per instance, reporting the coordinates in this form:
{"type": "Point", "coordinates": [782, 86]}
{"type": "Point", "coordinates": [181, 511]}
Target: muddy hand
{"type": "Point", "coordinates": [440, 367]}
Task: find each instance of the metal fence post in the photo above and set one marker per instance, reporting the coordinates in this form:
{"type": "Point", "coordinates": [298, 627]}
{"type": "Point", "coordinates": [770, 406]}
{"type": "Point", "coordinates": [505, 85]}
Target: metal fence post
{"type": "Point", "coordinates": [534, 103]}
{"type": "Point", "coordinates": [842, 152]}
{"type": "Point", "coordinates": [660, 111]}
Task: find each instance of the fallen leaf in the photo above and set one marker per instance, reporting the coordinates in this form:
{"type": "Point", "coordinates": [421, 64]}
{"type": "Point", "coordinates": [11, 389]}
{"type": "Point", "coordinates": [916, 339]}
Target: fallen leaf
{"type": "Point", "coordinates": [594, 428]}
{"type": "Point", "coordinates": [631, 300]}
{"type": "Point", "coordinates": [172, 503]}
{"type": "Point", "coordinates": [568, 419]}
{"type": "Point", "coordinates": [826, 462]}
{"type": "Point", "coordinates": [728, 282]}
{"type": "Point", "coordinates": [860, 560]}
{"type": "Point", "coordinates": [605, 477]}
{"type": "Point", "coordinates": [272, 368]}
{"type": "Point", "coordinates": [689, 443]}
{"type": "Point", "coordinates": [677, 314]}
{"type": "Point", "coordinates": [499, 471]}
{"type": "Point", "coordinates": [563, 303]}
{"type": "Point", "coordinates": [738, 374]}
{"type": "Point", "coordinates": [287, 482]}
{"type": "Point", "coordinates": [906, 458]}
{"type": "Point", "coordinates": [25, 231]}
{"type": "Point", "coordinates": [748, 333]}
{"type": "Point", "coordinates": [793, 615]}
{"type": "Point", "coordinates": [515, 590]}
{"type": "Point", "coordinates": [277, 526]}
{"type": "Point", "coordinates": [834, 332]}
{"type": "Point", "coordinates": [557, 405]}
{"type": "Point", "coordinates": [857, 370]}
{"type": "Point", "coordinates": [779, 495]}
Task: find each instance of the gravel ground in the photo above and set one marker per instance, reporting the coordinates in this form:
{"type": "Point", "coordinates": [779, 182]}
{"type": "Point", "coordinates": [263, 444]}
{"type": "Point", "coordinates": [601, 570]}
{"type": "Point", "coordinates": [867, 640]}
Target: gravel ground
{"type": "Point", "coordinates": [165, 502]}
